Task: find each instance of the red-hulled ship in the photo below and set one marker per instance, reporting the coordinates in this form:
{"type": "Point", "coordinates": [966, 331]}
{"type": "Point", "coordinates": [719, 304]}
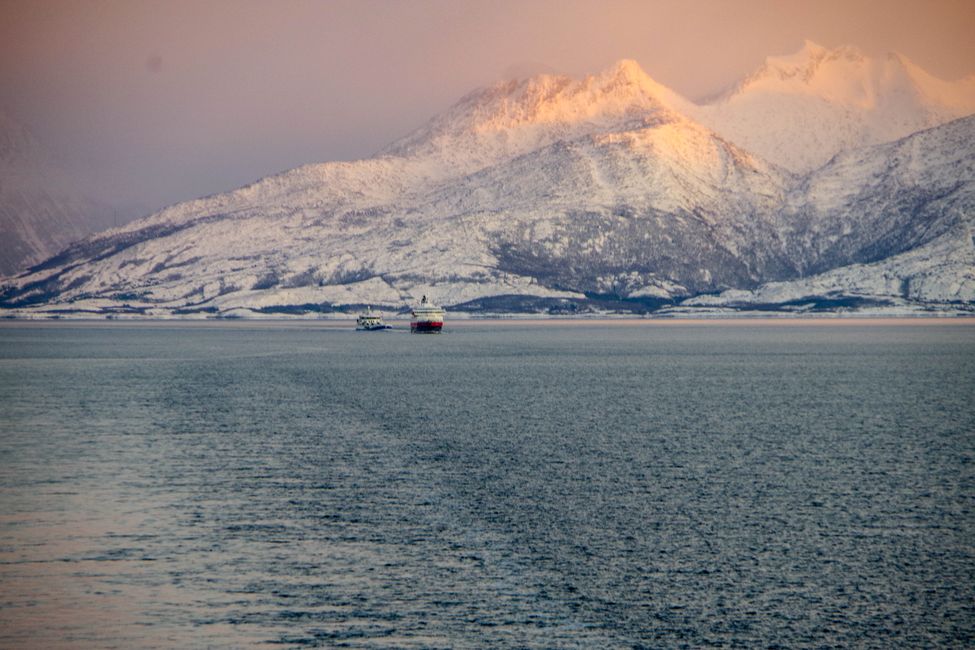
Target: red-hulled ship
{"type": "Point", "coordinates": [427, 318]}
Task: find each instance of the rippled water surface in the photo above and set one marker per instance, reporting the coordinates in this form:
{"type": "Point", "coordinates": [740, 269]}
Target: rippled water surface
{"type": "Point", "coordinates": [601, 485]}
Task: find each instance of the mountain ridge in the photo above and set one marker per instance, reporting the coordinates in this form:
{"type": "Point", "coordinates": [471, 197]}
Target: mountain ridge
{"type": "Point", "coordinates": [561, 194]}
{"type": "Point", "coordinates": [800, 110]}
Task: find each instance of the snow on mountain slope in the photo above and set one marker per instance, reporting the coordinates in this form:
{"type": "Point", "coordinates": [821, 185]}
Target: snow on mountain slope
{"type": "Point", "coordinates": [38, 215]}
{"type": "Point", "coordinates": [940, 272]}
{"type": "Point", "coordinates": [547, 192]}
{"type": "Point", "coordinates": [34, 224]}
{"type": "Point", "coordinates": [904, 193]}
{"type": "Point", "coordinates": [667, 204]}
{"type": "Point", "coordinates": [516, 117]}
{"type": "Point", "coordinates": [916, 197]}
{"type": "Point", "coordinates": [799, 111]}
{"type": "Point", "coordinates": [484, 128]}
{"type": "Point", "coordinates": [296, 237]}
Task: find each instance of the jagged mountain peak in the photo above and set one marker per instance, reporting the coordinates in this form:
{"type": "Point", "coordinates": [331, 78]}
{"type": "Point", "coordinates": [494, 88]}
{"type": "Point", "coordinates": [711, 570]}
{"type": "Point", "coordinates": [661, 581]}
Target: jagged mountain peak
{"type": "Point", "coordinates": [800, 110]}
{"type": "Point", "coordinates": [515, 116]}
{"type": "Point", "coordinates": [843, 74]}
{"type": "Point", "coordinates": [627, 68]}
{"type": "Point", "coordinates": [628, 73]}
{"type": "Point", "coordinates": [846, 76]}
{"type": "Point", "coordinates": [810, 57]}
{"type": "Point", "coordinates": [620, 89]}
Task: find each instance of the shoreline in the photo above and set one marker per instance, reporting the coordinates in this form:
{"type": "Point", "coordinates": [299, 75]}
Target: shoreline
{"type": "Point", "coordinates": [824, 320]}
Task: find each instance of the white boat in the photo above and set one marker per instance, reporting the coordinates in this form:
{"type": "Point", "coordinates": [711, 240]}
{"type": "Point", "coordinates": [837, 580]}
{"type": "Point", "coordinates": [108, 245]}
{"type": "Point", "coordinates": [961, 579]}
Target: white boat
{"type": "Point", "coordinates": [371, 322]}
{"type": "Point", "coordinates": [427, 318]}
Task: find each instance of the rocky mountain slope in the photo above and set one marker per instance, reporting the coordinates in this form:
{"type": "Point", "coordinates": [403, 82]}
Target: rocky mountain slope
{"type": "Point", "coordinates": [915, 196]}
{"type": "Point", "coordinates": [552, 195]}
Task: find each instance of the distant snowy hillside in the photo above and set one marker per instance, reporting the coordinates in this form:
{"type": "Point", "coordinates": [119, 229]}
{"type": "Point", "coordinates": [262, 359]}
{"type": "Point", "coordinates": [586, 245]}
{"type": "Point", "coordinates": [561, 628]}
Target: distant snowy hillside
{"type": "Point", "coordinates": [799, 111]}
{"type": "Point", "coordinates": [915, 196]}
{"type": "Point", "coordinates": [549, 195]}
{"type": "Point", "coordinates": [38, 215]}
{"type": "Point", "coordinates": [363, 233]}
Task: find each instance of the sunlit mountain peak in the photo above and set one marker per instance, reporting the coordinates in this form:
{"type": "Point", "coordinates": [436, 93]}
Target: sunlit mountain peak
{"type": "Point", "coordinates": [801, 109]}
{"type": "Point", "coordinates": [626, 70]}
{"type": "Point", "coordinates": [516, 116]}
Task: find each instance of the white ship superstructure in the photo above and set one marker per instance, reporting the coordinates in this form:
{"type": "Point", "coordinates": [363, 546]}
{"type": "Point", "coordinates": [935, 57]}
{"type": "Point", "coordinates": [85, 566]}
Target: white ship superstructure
{"type": "Point", "coordinates": [427, 318]}
{"type": "Point", "coordinates": [370, 322]}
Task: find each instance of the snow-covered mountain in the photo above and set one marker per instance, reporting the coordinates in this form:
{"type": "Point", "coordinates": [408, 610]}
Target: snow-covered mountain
{"type": "Point", "coordinates": [547, 194]}
{"type": "Point", "coordinates": [38, 214]}
{"type": "Point", "coordinates": [916, 197]}
{"type": "Point", "coordinates": [798, 111]}
{"type": "Point", "coordinates": [516, 117]}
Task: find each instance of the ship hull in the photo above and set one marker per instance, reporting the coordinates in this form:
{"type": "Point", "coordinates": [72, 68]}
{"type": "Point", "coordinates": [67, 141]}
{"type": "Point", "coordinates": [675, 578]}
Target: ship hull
{"type": "Point", "coordinates": [426, 327]}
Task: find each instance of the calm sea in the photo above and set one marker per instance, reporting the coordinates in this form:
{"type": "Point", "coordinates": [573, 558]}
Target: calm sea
{"type": "Point", "coordinates": [502, 485]}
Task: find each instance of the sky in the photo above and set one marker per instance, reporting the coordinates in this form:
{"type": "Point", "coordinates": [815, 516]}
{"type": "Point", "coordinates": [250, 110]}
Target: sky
{"type": "Point", "coordinates": [147, 103]}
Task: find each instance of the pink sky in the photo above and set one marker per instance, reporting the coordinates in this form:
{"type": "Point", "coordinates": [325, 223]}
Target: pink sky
{"type": "Point", "coordinates": [155, 102]}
